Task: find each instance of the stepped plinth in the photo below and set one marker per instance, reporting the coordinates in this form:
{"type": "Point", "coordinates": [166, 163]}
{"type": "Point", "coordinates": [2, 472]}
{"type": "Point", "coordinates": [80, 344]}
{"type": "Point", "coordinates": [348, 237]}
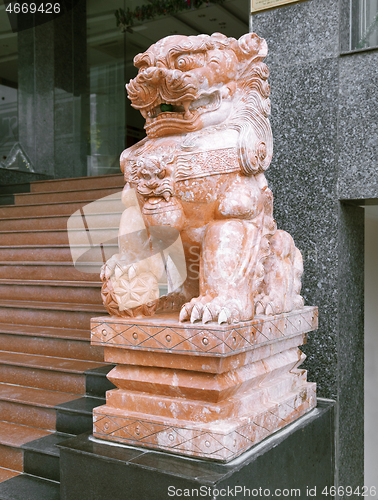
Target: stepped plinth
{"type": "Point", "coordinates": [204, 390]}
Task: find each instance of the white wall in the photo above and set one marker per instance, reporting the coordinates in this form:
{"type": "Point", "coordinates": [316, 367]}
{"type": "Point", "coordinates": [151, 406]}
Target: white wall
{"type": "Point", "coordinates": [371, 346]}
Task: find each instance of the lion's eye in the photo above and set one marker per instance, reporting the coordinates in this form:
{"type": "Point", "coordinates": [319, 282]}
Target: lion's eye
{"type": "Point", "coordinates": [161, 174]}
{"type": "Point", "coordinates": [185, 63]}
{"type": "Point", "coordinates": [146, 175]}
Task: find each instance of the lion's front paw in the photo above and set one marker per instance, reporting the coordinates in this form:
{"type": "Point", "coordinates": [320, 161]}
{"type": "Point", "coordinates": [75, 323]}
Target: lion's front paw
{"type": "Point", "coordinates": [129, 289]}
{"type": "Point", "coordinates": [207, 308]}
{"type": "Point", "coordinates": [173, 301]}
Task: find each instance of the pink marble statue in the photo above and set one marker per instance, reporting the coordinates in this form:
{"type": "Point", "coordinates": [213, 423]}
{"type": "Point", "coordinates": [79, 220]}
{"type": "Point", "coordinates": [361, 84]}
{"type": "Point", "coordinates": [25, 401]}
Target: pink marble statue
{"type": "Point", "coordinates": [200, 170]}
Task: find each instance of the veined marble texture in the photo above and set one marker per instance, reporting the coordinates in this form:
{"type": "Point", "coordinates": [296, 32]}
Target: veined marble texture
{"type": "Point", "coordinates": [210, 368]}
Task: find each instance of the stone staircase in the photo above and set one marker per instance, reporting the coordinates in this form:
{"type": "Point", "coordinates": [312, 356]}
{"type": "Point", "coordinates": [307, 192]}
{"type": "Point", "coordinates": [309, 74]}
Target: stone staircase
{"type": "Point", "coordinates": [50, 375]}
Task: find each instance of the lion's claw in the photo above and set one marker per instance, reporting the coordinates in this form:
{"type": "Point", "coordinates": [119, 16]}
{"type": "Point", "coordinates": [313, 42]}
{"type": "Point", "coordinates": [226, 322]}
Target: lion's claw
{"type": "Point", "coordinates": [268, 306]}
{"type": "Point", "coordinates": [196, 312]}
{"type": "Point", "coordinates": [224, 316]}
{"type": "Point", "coordinates": [206, 309]}
{"type": "Point", "coordinates": [184, 314]}
{"type": "Point", "coordinates": [206, 316]}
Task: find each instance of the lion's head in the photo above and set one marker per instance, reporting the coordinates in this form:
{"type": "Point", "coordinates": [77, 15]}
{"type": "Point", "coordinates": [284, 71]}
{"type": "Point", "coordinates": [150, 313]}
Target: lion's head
{"type": "Point", "coordinates": [187, 83]}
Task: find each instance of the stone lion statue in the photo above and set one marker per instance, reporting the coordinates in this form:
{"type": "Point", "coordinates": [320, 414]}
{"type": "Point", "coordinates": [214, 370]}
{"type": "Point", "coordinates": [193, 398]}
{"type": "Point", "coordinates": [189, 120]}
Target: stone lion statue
{"type": "Point", "coordinates": [200, 171]}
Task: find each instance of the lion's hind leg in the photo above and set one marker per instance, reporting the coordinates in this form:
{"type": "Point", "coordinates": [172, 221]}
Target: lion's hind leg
{"type": "Point", "coordinates": [280, 289]}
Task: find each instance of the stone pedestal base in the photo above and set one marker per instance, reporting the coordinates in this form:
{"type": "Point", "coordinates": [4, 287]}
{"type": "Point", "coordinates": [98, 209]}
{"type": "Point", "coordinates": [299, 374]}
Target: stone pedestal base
{"type": "Point", "coordinates": [299, 461]}
{"type": "Point", "coordinates": [203, 390]}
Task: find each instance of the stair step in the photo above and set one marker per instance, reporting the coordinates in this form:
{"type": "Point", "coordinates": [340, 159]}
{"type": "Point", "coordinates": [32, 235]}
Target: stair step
{"type": "Point", "coordinates": [76, 417]}
{"type": "Point", "coordinates": [15, 188]}
{"type": "Point", "coordinates": [32, 396]}
{"type": "Point", "coordinates": [51, 373]}
{"type": "Point", "coordinates": [47, 362]}
{"type": "Point", "coordinates": [114, 180]}
{"type": "Point", "coordinates": [43, 331]}
{"type": "Point", "coordinates": [49, 341]}
{"type": "Point", "coordinates": [67, 348]}
{"type": "Point", "coordinates": [64, 196]}
{"type": "Point", "coordinates": [7, 474]}
{"type": "Point", "coordinates": [12, 437]}
{"type": "Point", "coordinates": [10, 457]}
{"type": "Point", "coordinates": [35, 253]}
{"type": "Point", "coordinates": [31, 406]}
{"type": "Point", "coordinates": [96, 381]}
{"type": "Point", "coordinates": [59, 236]}
{"type": "Point", "coordinates": [40, 317]}
{"type": "Point", "coordinates": [17, 238]}
{"type": "Point", "coordinates": [59, 271]}
{"type": "Point", "coordinates": [60, 208]}
{"type": "Point", "coordinates": [55, 292]}
{"type": "Point", "coordinates": [106, 220]}
{"type": "Point", "coordinates": [34, 223]}
{"type": "Point", "coordinates": [56, 306]}
{"type": "Point", "coordinates": [41, 457]}
{"type": "Point", "coordinates": [7, 199]}
{"type": "Point", "coordinates": [26, 487]}
{"type": "Point", "coordinates": [54, 254]}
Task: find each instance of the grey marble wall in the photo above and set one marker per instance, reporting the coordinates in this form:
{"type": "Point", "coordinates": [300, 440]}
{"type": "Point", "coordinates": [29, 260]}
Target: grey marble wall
{"type": "Point", "coordinates": [52, 96]}
{"type": "Point", "coordinates": [358, 126]}
{"type": "Point", "coordinates": [319, 120]}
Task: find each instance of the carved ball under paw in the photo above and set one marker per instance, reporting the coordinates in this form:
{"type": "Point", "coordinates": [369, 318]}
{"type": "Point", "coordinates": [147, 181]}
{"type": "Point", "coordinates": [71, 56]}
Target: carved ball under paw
{"type": "Point", "coordinates": [128, 290]}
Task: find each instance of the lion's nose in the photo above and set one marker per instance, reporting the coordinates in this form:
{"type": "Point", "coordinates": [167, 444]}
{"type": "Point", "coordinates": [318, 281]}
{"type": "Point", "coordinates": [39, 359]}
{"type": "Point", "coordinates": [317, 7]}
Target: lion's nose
{"type": "Point", "coordinates": [152, 184]}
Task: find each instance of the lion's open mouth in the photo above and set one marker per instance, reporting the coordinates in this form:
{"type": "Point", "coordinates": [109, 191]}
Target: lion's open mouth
{"type": "Point", "coordinates": [180, 114]}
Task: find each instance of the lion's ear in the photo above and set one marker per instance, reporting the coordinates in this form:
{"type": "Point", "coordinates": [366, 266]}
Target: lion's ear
{"type": "Point", "coordinates": [251, 46]}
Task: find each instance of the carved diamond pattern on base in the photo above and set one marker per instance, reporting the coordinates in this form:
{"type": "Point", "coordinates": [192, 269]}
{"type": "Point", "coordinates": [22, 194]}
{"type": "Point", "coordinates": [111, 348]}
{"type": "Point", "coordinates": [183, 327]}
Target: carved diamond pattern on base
{"type": "Point", "coordinates": [234, 340]}
{"type": "Point", "coordinates": [236, 441]}
{"type": "Point", "coordinates": [200, 339]}
{"type": "Point", "coordinates": [169, 438]}
{"type": "Point", "coordinates": [205, 341]}
{"type": "Point", "coordinates": [169, 338]}
{"type": "Point", "coordinates": [136, 335]}
{"type": "Point", "coordinates": [110, 333]}
{"type": "Point", "coordinates": [140, 430]}
{"type": "Point", "coordinates": [204, 443]}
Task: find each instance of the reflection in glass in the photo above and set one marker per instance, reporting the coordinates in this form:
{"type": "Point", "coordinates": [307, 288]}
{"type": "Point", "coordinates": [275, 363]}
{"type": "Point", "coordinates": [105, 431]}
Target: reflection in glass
{"type": "Point", "coordinates": [364, 24]}
{"type": "Point", "coordinates": [107, 118]}
{"type": "Point", "coordinates": [9, 153]}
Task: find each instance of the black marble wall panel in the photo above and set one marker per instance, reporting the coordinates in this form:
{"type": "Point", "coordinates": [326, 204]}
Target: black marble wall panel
{"type": "Point", "coordinates": [350, 284]}
{"type": "Point", "coordinates": [303, 179]}
{"type": "Point", "coordinates": [36, 96]}
{"type": "Point", "coordinates": [301, 32]}
{"type": "Point", "coordinates": [53, 100]}
{"type": "Point", "coordinates": [18, 177]}
{"type": "Point", "coordinates": [26, 93]}
{"type": "Point", "coordinates": [43, 112]}
{"type": "Point", "coordinates": [317, 121]}
{"type": "Point", "coordinates": [71, 99]}
{"type": "Point", "coordinates": [358, 126]}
